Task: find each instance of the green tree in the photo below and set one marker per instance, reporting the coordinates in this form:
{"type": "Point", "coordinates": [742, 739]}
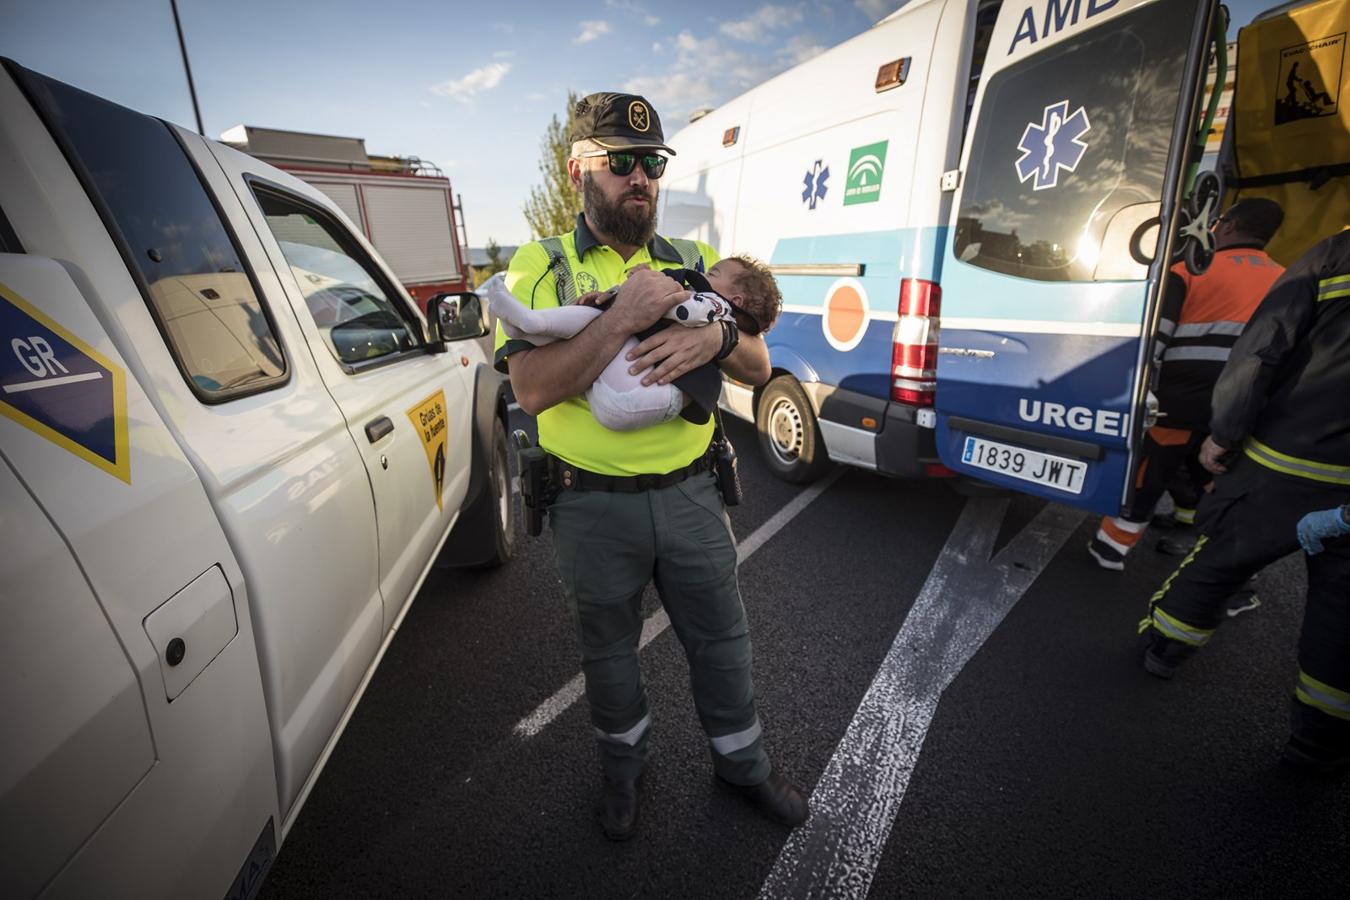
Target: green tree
{"type": "Point", "coordinates": [494, 255]}
{"type": "Point", "coordinates": [495, 263]}
{"type": "Point", "coordinates": [553, 206]}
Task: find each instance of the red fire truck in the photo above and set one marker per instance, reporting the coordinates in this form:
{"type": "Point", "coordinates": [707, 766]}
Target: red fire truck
{"type": "Point", "coordinates": [403, 205]}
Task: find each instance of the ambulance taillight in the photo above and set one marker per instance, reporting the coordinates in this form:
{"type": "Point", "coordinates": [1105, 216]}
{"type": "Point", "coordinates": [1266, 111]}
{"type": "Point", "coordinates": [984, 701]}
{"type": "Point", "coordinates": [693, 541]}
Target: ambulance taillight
{"type": "Point", "coordinates": [914, 347]}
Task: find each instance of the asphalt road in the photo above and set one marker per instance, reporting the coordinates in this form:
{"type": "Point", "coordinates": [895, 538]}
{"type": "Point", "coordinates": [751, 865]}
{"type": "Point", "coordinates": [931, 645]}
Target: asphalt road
{"type": "Point", "coordinates": [1051, 765]}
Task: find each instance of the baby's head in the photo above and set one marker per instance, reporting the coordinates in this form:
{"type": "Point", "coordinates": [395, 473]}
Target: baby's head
{"type": "Point", "coordinates": [752, 290]}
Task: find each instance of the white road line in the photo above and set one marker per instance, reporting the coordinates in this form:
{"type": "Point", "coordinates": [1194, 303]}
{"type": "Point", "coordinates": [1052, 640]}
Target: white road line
{"type": "Point", "coordinates": [966, 596]}
{"type": "Point", "coordinates": [50, 382]}
{"type": "Point", "coordinates": [658, 621]}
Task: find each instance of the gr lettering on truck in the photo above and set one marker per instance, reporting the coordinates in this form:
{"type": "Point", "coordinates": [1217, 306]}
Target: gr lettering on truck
{"type": "Point", "coordinates": [971, 208]}
{"type": "Point", "coordinates": [35, 355]}
{"type": "Point", "coordinates": [231, 449]}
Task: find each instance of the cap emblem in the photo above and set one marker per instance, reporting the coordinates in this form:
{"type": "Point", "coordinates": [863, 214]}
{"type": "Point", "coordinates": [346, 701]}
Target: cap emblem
{"type": "Point", "coordinates": [638, 116]}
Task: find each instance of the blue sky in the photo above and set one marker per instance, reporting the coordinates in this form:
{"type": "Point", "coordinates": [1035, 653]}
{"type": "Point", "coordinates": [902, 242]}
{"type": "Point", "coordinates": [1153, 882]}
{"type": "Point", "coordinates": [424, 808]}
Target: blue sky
{"type": "Point", "coordinates": [468, 86]}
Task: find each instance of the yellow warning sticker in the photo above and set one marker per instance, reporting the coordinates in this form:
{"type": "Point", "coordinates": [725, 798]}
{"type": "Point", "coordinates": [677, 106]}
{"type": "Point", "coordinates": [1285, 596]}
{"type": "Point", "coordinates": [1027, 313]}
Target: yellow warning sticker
{"type": "Point", "coordinates": [429, 418]}
{"type": "Point", "coordinates": [59, 387]}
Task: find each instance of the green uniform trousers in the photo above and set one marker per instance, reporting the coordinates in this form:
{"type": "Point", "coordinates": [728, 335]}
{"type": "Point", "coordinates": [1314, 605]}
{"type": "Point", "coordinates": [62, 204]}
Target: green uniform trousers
{"type": "Point", "coordinates": [608, 547]}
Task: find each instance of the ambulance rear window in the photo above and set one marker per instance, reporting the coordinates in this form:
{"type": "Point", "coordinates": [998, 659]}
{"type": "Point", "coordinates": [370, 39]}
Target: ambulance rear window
{"type": "Point", "coordinates": [1070, 150]}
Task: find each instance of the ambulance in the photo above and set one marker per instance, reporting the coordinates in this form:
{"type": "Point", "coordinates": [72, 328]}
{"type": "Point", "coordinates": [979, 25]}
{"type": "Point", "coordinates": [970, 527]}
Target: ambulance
{"type": "Point", "coordinates": [231, 451]}
{"type": "Point", "coordinates": [971, 207]}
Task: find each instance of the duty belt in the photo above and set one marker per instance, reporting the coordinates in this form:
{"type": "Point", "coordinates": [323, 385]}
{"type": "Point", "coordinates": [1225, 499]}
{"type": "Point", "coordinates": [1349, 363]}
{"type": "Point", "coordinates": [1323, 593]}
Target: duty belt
{"type": "Point", "coordinates": [568, 477]}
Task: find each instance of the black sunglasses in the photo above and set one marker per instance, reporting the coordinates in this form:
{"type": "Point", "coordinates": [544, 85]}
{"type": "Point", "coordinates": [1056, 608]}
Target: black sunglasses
{"type": "Point", "coordinates": [621, 162]}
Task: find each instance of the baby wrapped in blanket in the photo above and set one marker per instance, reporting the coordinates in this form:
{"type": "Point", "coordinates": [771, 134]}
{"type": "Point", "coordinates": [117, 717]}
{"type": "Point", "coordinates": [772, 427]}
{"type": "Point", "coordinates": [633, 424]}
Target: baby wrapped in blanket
{"type": "Point", "coordinates": [619, 400]}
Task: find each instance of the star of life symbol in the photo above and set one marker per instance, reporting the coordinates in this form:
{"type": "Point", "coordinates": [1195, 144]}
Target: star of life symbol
{"type": "Point", "coordinates": [1053, 145]}
{"type": "Point", "coordinates": [814, 184]}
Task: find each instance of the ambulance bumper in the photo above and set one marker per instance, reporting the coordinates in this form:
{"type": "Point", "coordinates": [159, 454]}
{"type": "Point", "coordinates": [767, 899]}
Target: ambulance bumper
{"type": "Point", "coordinates": [896, 445]}
{"type": "Point", "coordinates": [904, 447]}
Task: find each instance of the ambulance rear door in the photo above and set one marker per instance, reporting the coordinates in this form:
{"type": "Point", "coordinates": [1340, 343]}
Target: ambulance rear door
{"type": "Point", "coordinates": [1077, 148]}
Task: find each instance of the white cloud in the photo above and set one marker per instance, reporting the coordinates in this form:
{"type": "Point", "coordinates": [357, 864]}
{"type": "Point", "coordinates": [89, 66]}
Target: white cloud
{"type": "Point", "coordinates": [637, 9]}
{"type": "Point", "coordinates": [877, 10]}
{"type": "Point", "coordinates": [657, 48]}
{"type": "Point", "coordinates": [504, 27]}
{"type": "Point", "coordinates": [591, 30]}
{"type": "Point", "coordinates": [484, 78]}
{"type": "Point", "coordinates": [503, 54]}
{"type": "Point", "coordinates": [674, 95]}
{"type": "Point", "coordinates": [756, 26]}
{"type": "Point", "coordinates": [799, 49]}
{"type": "Point", "coordinates": [703, 72]}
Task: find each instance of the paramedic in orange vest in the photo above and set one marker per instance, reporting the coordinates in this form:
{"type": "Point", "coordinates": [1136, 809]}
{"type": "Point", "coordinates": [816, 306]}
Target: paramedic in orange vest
{"type": "Point", "coordinates": [1202, 316]}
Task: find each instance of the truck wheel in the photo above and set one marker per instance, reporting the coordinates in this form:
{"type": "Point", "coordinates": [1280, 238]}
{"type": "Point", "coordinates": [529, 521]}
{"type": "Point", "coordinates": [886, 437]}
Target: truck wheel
{"type": "Point", "coordinates": [503, 504]}
{"type": "Point", "coordinates": [789, 436]}
{"type": "Point", "coordinates": [485, 535]}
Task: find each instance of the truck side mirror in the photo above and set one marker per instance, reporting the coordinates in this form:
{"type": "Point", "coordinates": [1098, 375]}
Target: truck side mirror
{"type": "Point", "coordinates": [456, 317]}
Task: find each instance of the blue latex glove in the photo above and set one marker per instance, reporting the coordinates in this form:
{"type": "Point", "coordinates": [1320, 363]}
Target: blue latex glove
{"type": "Point", "coordinates": [1316, 527]}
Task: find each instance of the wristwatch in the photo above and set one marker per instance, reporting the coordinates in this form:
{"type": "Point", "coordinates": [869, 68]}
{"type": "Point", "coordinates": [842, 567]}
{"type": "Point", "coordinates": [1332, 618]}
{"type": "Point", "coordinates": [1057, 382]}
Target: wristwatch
{"type": "Point", "coordinates": [731, 336]}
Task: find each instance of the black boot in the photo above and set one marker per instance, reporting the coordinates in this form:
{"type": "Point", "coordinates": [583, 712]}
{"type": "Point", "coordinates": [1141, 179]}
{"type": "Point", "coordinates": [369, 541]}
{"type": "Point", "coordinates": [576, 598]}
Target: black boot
{"type": "Point", "coordinates": [1314, 759]}
{"type": "Point", "coordinates": [1161, 655]}
{"type": "Point", "coordinates": [776, 797]}
{"type": "Point", "coordinates": [618, 807]}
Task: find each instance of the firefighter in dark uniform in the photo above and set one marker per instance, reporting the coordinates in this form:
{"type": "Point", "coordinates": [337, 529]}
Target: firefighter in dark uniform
{"type": "Point", "coordinates": [633, 507]}
{"type": "Point", "coordinates": [1201, 318]}
{"type": "Point", "coordinates": [1280, 439]}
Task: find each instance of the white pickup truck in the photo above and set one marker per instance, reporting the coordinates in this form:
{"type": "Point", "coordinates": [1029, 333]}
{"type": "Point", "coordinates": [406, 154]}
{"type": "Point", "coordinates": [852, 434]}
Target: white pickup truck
{"type": "Point", "coordinates": [231, 449]}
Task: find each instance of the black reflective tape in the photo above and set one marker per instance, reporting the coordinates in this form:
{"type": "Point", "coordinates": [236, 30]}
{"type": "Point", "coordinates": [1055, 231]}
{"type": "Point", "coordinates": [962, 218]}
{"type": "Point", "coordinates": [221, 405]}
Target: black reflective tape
{"type": "Point", "coordinates": [1031, 439]}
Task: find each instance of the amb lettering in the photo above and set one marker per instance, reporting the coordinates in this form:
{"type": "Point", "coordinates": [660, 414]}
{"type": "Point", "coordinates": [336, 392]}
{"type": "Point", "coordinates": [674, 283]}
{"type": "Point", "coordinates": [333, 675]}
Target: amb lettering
{"type": "Point", "coordinates": [1075, 418]}
{"type": "Point", "coordinates": [1056, 16]}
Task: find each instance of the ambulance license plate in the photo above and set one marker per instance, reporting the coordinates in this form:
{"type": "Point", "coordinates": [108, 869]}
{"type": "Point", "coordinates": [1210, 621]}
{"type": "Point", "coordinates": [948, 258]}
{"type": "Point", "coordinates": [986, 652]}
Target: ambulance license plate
{"type": "Point", "coordinates": [1029, 465]}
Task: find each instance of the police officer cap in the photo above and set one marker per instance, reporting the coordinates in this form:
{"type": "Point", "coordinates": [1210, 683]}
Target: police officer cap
{"type": "Point", "coordinates": [618, 122]}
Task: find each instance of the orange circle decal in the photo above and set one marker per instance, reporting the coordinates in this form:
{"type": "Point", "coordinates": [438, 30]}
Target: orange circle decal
{"type": "Point", "coordinates": [846, 314]}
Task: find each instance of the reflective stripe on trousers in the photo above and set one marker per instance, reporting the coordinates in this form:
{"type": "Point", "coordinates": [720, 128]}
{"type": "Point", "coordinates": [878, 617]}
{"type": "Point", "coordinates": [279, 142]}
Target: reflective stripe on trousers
{"type": "Point", "coordinates": [630, 737]}
{"type": "Point", "coordinates": [1169, 625]}
{"type": "Point", "coordinates": [727, 744]}
{"type": "Point", "coordinates": [1172, 627]}
{"type": "Point", "coordinates": [1320, 695]}
{"type": "Point", "coordinates": [1120, 534]}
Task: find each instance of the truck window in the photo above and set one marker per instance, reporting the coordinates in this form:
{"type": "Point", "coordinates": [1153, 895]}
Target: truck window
{"type": "Point", "coordinates": [9, 241]}
{"type": "Point", "coordinates": [1068, 138]}
{"type": "Point", "coordinates": [360, 320]}
{"type": "Point", "coordinates": [200, 293]}
{"type": "Point", "coordinates": [985, 20]}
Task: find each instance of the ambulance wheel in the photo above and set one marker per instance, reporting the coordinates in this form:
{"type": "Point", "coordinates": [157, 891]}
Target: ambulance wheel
{"type": "Point", "coordinates": [789, 436]}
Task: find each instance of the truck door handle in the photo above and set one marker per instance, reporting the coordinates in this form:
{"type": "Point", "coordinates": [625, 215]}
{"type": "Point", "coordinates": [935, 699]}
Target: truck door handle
{"type": "Point", "coordinates": [378, 428]}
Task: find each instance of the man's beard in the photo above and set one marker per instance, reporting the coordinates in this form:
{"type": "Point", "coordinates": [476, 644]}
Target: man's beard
{"type": "Point", "coordinates": [629, 226]}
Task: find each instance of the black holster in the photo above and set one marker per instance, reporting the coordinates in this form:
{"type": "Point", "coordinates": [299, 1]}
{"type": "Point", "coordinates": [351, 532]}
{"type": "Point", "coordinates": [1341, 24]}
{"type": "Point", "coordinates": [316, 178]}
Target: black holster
{"type": "Point", "coordinates": [534, 466]}
{"type": "Point", "coordinates": [724, 464]}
